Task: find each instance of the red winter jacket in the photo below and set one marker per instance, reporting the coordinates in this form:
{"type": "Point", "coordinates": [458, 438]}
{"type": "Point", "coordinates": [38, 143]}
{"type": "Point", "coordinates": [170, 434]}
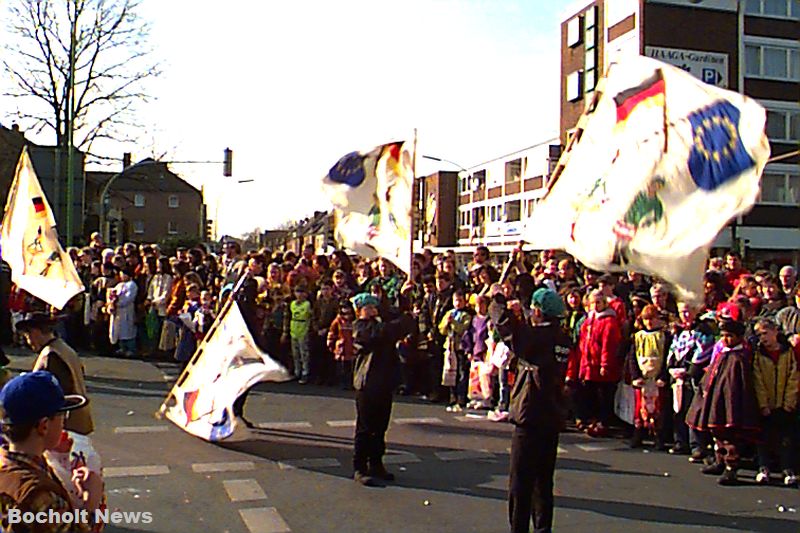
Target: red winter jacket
{"type": "Point", "coordinates": [598, 347]}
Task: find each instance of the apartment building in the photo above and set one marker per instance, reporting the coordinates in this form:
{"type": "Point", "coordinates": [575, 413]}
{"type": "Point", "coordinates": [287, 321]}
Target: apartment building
{"type": "Point", "coordinates": [497, 197]}
{"type": "Point", "coordinates": [748, 46]}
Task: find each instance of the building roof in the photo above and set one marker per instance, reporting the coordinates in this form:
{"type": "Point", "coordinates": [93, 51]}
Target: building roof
{"type": "Point", "coordinates": [147, 175]}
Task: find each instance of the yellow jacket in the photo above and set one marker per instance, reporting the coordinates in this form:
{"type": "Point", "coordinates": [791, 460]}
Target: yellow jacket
{"type": "Point", "coordinates": [776, 384]}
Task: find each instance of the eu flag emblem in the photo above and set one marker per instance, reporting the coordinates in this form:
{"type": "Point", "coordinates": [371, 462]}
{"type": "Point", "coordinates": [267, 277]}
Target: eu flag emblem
{"type": "Point", "coordinates": [717, 154]}
{"type": "Point", "coordinates": [349, 170]}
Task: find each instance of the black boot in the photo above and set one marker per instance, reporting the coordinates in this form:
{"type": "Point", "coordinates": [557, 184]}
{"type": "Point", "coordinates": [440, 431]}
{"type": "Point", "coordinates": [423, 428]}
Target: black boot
{"type": "Point", "coordinates": [728, 477]}
{"type": "Point", "coordinates": [636, 439]}
{"type": "Point", "coordinates": [714, 469]}
{"type": "Point", "coordinates": [376, 469]}
{"type": "Point", "coordinates": [361, 475]}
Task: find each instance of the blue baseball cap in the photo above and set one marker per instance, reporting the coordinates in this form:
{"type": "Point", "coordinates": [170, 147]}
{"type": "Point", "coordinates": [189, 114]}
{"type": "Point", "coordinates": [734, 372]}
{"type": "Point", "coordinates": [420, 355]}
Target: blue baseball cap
{"type": "Point", "coordinates": [30, 397]}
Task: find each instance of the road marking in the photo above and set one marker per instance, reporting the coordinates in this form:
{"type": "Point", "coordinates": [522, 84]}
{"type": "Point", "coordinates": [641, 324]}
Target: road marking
{"type": "Point", "coordinates": [472, 417]}
{"type": "Point", "coordinates": [460, 455]}
{"type": "Point", "coordinates": [598, 447]}
{"type": "Point", "coordinates": [236, 466]}
{"type": "Point", "coordinates": [559, 451]}
{"type": "Point", "coordinates": [283, 425]}
{"type": "Point", "coordinates": [126, 471]}
{"type": "Point", "coordinates": [497, 483]}
{"type": "Point", "coordinates": [264, 520]}
{"type": "Point", "coordinates": [341, 423]}
{"type": "Point", "coordinates": [317, 462]}
{"type": "Point", "coordinates": [421, 420]}
{"type": "Point", "coordinates": [400, 458]}
{"type": "Point", "coordinates": [243, 490]}
{"type": "Point", "coordinates": [141, 429]}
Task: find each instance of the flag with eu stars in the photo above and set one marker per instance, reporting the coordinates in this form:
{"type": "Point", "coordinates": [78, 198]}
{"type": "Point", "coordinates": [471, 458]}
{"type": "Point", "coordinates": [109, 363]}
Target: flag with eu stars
{"type": "Point", "coordinates": [658, 164]}
{"type": "Point", "coordinates": [371, 194]}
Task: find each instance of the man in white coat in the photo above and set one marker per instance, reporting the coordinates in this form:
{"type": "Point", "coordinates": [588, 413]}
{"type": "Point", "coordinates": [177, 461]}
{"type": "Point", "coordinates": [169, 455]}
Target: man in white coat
{"type": "Point", "coordinates": [122, 307]}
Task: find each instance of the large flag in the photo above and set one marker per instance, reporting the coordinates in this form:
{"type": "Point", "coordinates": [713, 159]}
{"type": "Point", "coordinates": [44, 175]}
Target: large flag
{"type": "Point", "coordinates": [371, 193]}
{"type": "Point", "coordinates": [658, 165]}
{"type": "Point", "coordinates": [29, 241]}
{"type": "Point", "coordinates": [225, 365]}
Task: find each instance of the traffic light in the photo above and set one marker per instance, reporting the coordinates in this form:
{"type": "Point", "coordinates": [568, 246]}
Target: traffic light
{"type": "Point", "coordinates": [227, 163]}
{"type": "Point", "coordinates": [330, 230]}
{"type": "Point", "coordinates": [126, 160]}
{"type": "Point", "coordinates": [209, 230]}
{"type": "Point", "coordinates": [113, 232]}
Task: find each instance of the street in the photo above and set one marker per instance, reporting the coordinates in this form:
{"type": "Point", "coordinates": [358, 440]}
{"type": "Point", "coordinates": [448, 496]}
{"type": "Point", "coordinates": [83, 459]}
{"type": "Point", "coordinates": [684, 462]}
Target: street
{"type": "Point", "coordinates": [293, 473]}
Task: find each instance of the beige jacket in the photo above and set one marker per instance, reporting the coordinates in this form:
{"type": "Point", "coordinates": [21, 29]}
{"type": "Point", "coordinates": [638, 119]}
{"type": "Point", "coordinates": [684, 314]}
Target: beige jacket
{"type": "Point", "coordinates": [58, 358]}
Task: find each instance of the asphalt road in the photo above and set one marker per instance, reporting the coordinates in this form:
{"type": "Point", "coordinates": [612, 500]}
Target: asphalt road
{"type": "Point", "coordinates": [293, 473]}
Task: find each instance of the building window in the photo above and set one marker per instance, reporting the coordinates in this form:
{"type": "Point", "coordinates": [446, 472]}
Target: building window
{"type": "Point", "coordinates": [780, 184]}
{"type": "Point", "coordinates": [172, 228]}
{"type": "Point", "coordinates": [529, 206]}
{"type": "Point", "coordinates": [513, 211]}
{"type": "Point", "coordinates": [138, 200]}
{"type": "Point", "coordinates": [773, 8]}
{"type": "Point", "coordinates": [174, 201]}
{"type": "Point", "coordinates": [772, 59]}
{"type": "Point", "coordinates": [513, 170]}
{"type": "Point", "coordinates": [783, 124]}
{"type": "Point", "coordinates": [574, 86]}
{"type": "Point", "coordinates": [574, 33]}
{"type": "Point", "coordinates": [138, 226]}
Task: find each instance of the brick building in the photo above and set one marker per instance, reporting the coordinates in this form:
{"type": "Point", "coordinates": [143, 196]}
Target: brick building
{"type": "Point", "coordinates": [748, 46]}
{"type": "Point", "coordinates": [149, 203]}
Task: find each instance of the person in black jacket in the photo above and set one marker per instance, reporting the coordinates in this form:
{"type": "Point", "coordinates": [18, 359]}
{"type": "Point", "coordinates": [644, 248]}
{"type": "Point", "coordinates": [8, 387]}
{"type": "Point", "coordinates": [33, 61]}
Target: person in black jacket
{"type": "Point", "coordinates": [541, 348]}
{"type": "Point", "coordinates": [375, 377]}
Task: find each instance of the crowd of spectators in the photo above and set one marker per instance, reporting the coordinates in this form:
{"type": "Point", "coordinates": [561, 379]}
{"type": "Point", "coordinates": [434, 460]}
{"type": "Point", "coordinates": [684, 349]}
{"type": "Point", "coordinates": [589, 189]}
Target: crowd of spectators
{"type": "Point", "coordinates": [716, 381]}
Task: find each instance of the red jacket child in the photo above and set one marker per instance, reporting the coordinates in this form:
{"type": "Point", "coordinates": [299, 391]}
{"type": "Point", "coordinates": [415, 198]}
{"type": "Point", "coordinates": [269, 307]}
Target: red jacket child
{"type": "Point", "coordinates": [598, 347]}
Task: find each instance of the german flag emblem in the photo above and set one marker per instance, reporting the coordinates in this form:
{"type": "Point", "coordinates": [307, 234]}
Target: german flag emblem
{"type": "Point", "coordinates": [38, 207]}
{"type": "Point", "coordinates": [649, 94]}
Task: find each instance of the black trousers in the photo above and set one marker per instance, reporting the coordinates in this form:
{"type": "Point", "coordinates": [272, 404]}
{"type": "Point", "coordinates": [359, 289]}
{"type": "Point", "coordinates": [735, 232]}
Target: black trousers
{"type": "Point", "coordinates": [530, 490]}
{"type": "Point", "coordinates": [373, 411]}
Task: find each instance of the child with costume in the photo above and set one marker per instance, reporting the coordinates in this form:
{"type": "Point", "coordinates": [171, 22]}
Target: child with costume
{"type": "Point", "coordinates": [726, 403]}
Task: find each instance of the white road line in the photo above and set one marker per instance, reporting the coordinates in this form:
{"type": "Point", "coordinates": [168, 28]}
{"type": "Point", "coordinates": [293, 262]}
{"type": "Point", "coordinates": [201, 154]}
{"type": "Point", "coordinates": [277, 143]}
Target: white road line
{"type": "Point", "coordinates": [236, 466]}
{"type": "Point", "coordinates": [421, 420]}
{"type": "Point", "coordinates": [126, 471]}
{"type": "Point", "coordinates": [460, 455]}
{"type": "Point", "coordinates": [264, 520]}
{"type": "Point", "coordinates": [243, 490]}
{"type": "Point", "coordinates": [472, 417]}
{"type": "Point", "coordinates": [141, 429]}
{"type": "Point", "coordinates": [559, 451]}
{"type": "Point", "coordinates": [598, 447]}
{"type": "Point", "coordinates": [341, 423]}
{"type": "Point", "coordinates": [283, 425]}
{"type": "Point", "coordinates": [400, 458]}
{"type": "Point", "coordinates": [316, 462]}
{"type": "Point", "coordinates": [497, 483]}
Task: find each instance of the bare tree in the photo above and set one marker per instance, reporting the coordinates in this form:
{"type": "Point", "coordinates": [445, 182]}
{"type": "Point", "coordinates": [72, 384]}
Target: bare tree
{"type": "Point", "coordinates": [112, 63]}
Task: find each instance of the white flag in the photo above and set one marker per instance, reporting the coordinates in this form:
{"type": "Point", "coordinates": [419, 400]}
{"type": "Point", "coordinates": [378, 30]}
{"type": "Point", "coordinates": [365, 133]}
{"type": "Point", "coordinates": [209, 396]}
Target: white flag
{"type": "Point", "coordinates": [659, 164]}
{"type": "Point", "coordinates": [371, 192]}
{"type": "Point", "coordinates": [226, 364]}
{"type": "Point", "coordinates": [29, 241]}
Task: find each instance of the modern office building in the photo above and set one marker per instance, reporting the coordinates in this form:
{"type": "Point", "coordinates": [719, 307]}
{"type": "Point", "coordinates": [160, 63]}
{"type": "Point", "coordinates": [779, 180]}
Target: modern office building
{"type": "Point", "coordinates": [748, 46]}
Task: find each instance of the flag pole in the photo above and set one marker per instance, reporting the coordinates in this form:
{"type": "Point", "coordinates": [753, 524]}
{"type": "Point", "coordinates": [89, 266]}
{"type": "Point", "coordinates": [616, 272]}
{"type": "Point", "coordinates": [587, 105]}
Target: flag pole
{"type": "Point", "coordinates": [217, 321]}
{"type": "Point", "coordinates": [418, 206]}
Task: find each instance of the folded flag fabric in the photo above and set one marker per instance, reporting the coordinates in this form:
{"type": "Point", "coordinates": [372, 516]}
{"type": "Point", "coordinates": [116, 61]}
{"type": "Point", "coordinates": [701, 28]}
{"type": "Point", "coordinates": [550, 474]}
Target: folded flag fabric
{"type": "Point", "coordinates": [226, 364]}
{"type": "Point", "coordinates": [371, 193]}
{"type": "Point", "coordinates": [659, 163]}
{"type": "Point", "coordinates": [29, 241]}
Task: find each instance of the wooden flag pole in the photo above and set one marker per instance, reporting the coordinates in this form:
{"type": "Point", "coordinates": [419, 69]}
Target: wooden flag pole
{"type": "Point", "coordinates": [413, 202]}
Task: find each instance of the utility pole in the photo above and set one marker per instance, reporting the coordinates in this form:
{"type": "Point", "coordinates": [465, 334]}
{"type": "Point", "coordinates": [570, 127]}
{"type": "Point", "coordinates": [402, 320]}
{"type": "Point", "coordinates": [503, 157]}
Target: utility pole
{"type": "Point", "coordinates": [71, 122]}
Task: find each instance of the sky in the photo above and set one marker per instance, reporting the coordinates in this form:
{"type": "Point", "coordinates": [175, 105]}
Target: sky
{"type": "Point", "coordinates": [292, 86]}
